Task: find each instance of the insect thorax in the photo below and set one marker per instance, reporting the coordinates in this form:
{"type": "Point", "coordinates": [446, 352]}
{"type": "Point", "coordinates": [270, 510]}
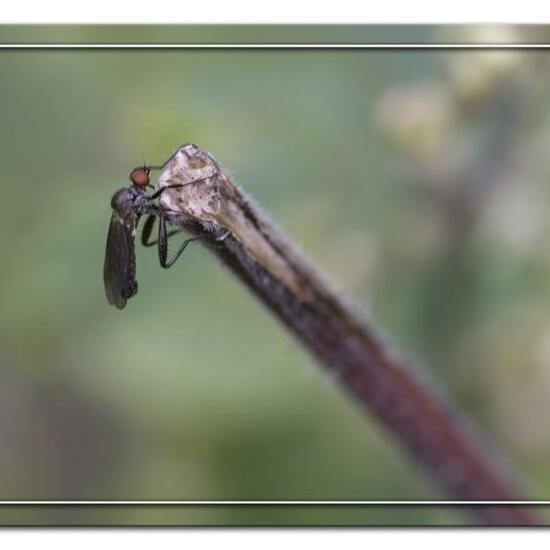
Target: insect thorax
{"type": "Point", "coordinates": [131, 201]}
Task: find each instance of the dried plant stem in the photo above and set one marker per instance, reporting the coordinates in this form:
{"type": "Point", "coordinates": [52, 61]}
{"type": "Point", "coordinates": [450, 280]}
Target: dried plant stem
{"type": "Point", "coordinates": [344, 343]}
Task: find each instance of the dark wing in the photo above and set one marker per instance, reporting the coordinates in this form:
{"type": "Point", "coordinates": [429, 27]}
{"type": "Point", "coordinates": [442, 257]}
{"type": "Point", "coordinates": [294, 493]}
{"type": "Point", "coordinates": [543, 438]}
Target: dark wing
{"type": "Point", "coordinates": [119, 270]}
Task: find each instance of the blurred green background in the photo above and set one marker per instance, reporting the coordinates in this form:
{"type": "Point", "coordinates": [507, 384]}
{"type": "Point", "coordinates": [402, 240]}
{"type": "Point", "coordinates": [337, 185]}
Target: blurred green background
{"type": "Point", "coordinates": [416, 179]}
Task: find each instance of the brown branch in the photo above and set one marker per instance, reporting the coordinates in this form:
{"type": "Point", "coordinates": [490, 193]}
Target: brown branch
{"type": "Point", "coordinates": [341, 340]}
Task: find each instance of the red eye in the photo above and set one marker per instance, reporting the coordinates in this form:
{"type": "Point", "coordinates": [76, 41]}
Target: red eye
{"type": "Point", "coordinates": [140, 177]}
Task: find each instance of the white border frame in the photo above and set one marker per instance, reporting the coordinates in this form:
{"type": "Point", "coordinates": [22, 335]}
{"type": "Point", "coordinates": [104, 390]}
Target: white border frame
{"type": "Point", "coordinates": [273, 46]}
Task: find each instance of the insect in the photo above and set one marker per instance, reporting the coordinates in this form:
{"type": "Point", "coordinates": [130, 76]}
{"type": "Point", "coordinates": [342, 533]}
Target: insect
{"type": "Point", "coordinates": [129, 204]}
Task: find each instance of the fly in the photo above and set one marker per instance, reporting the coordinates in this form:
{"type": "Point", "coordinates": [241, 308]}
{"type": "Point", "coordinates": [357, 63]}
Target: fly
{"type": "Point", "coordinates": [129, 204]}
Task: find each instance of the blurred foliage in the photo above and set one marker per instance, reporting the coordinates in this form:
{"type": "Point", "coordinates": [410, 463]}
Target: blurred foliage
{"type": "Point", "coordinates": [417, 179]}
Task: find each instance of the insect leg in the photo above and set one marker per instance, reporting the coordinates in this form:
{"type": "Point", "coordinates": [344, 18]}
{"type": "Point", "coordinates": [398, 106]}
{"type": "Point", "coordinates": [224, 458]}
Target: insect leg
{"type": "Point", "coordinates": [163, 245]}
{"type": "Point", "coordinates": [161, 166]}
{"type": "Point", "coordinates": [159, 192]}
{"type": "Point", "coordinates": [148, 228]}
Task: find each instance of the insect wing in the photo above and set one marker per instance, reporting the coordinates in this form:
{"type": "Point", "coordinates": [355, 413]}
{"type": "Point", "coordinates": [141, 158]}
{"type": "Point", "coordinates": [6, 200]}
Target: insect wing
{"type": "Point", "coordinates": [119, 259]}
